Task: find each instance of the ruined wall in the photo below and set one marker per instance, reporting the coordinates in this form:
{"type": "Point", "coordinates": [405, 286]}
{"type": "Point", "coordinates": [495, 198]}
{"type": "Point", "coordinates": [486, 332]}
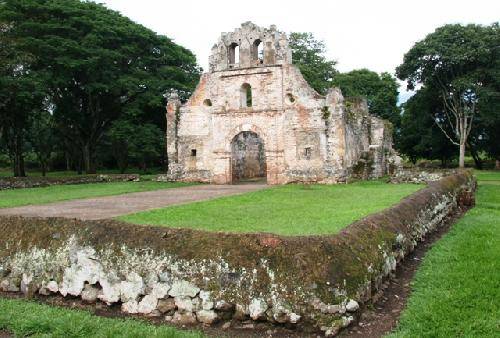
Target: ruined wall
{"type": "Point", "coordinates": [357, 131]}
{"type": "Point", "coordinates": [307, 137]}
{"type": "Point", "coordinates": [35, 182]}
{"type": "Point", "coordinates": [275, 48]}
{"type": "Point", "coordinates": [313, 283]}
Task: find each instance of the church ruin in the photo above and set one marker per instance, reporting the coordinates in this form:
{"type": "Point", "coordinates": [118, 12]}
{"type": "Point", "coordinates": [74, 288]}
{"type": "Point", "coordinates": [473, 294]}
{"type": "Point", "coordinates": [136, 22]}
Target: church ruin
{"type": "Point", "coordinates": [253, 116]}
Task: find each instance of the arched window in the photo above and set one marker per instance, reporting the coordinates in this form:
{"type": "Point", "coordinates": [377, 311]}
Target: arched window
{"type": "Point", "coordinates": [234, 53]}
{"type": "Point", "coordinates": [246, 95]}
{"type": "Point", "coordinates": [258, 51]}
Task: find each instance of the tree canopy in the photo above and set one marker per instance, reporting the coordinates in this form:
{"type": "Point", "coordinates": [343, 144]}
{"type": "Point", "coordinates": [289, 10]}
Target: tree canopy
{"type": "Point", "coordinates": [91, 66]}
{"type": "Point", "coordinates": [459, 66]}
{"type": "Point", "coordinates": [420, 138]}
{"type": "Point", "coordinates": [308, 54]}
{"type": "Point", "coordinates": [380, 91]}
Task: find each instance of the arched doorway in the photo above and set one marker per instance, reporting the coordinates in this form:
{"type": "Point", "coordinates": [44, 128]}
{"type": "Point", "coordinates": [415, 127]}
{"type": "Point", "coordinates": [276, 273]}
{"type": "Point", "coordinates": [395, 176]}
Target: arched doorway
{"type": "Point", "coordinates": [248, 159]}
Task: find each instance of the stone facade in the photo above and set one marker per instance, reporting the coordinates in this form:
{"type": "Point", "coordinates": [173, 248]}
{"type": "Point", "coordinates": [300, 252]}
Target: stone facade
{"type": "Point", "coordinates": [253, 89]}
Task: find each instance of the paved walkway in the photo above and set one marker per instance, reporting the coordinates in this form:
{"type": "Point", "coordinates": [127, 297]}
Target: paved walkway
{"type": "Point", "coordinates": [113, 206]}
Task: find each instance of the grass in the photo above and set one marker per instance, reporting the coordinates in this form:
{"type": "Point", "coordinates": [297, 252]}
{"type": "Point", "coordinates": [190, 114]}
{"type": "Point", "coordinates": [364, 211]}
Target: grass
{"type": "Point", "coordinates": [27, 318]}
{"type": "Point", "coordinates": [286, 210]}
{"type": "Point", "coordinates": [18, 197]}
{"type": "Point", "coordinates": [456, 291]}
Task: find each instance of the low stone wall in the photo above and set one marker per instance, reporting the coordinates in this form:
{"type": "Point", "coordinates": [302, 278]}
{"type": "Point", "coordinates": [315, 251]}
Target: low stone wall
{"type": "Point", "coordinates": [312, 283]}
{"type": "Point", "coordinates": [420, 176]}
{"type": "Point", "coordinates": [35, 182]}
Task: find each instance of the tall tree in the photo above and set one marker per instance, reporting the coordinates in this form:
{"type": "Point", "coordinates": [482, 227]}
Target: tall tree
{"type": "Point", "coordinates": [100, 64]}
{"type": "Point", "coordinates": [42, 137]}
{"type": "Point", "coordinates": [21, 92]}
{"type": "Point", "coordinates": [309, 55]}
{"type": "Point", "coordinates": [381, 92]}
{"type": "Point", "coordinates": [419, 137]}
{"type": "Point", "coordinates": [454, 61]}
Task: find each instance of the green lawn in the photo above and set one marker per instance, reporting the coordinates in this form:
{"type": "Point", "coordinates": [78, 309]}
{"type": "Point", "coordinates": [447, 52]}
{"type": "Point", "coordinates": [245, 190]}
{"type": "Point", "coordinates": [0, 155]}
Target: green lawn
{"type": "Point", "coordinates": [286, 210]}
{"type": "Point", "coordinates": [27, 318]}
{"type": "Point", "coordinates": [456, 291]}
{"type": "Point", "coordinates": [18, 197]}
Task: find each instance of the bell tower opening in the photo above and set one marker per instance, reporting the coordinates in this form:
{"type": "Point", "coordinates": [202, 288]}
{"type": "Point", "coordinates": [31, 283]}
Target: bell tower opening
{"type": "Point", "coordinates": [258, 51]}
{"type": "Point", "coordinates": [234, 54]}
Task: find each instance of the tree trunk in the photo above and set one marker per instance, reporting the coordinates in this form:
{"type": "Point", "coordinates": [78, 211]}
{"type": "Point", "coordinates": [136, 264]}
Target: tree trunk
{"type": "Point", "coordinates": [497, 164]}
{"type": "Point", "coordinates": [79, 164]}
{"type": "Point", "coordinates": [68, 166]}
{"type": "Point", "coordinates": [89, 159]}
{"type": "Point", "coordinates": [461, 159]}
{"type": "Point", "coordinates": [44, 169]}
{"type": "Point", "coordinates": [19, 170]}
{"type": "Point", "coordinates": [477, 160]}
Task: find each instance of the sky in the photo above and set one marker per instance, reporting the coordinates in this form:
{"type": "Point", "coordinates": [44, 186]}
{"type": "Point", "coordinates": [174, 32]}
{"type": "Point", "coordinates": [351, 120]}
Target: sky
{"type": "Point", "coordinates": [358, 34]}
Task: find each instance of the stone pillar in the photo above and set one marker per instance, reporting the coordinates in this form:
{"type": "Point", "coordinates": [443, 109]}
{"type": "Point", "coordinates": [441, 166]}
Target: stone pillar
{"type": "Point", "coordinates": [275, 161]}
{"type": "Point", "coordinates": [222, 173]}
{"type": "Point", "coordinates": [269, 53]}
{"type": "Point", "coordinates": [173, 105]}
{"type": "Point", "coordinates": [245, 54]}
{"type": "Point", "coordinates": [336, 147]}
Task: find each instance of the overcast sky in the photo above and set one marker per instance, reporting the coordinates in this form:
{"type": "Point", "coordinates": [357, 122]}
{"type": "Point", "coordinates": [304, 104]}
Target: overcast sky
{"type": "Point", "coordinates": [358, 34]}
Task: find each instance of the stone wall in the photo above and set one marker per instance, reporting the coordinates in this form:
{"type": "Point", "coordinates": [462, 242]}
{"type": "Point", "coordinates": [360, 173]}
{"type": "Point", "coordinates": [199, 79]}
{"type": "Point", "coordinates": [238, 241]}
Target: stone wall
{"type": "Point", "coordinates": [307, 137]}
{"type": "Point", "coordinates": [420, 176]}
{"type": "Point", "coordinates": [312, 283]}
{"type": "Point", "coordinates": [35, 182]}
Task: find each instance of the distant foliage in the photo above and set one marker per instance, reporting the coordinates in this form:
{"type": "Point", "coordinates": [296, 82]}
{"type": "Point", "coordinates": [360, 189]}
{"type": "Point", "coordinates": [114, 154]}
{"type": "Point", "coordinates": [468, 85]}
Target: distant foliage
{"type": "Point", "coordinates": [380, 91]}
{"type": "Point", "coordinates": [420, 138]}
{"type": "Point", "coordinates": [309, 55]}
{"type": "Point", "coordinates": [86, 65]}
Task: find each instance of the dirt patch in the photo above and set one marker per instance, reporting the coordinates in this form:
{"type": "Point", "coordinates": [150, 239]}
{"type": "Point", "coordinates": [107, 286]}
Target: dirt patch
{"type": "Point", "coordinates": [113, 206]}
{"type": "Point", "coordinates": [382, 316]}
{"type": "Point", "coordinates": [6, 334]}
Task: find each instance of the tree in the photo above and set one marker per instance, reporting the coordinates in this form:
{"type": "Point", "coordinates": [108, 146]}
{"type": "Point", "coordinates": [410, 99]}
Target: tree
{"type": "Point", "coordinates": [99, 64]}
{"type": "Point", "coordinates": [21, 92]}
{"type": "Point", "coordinates": [146, 145]}
{"type": "Point", "coordinates": [308, 54]}
{"type": "Point", "coordinates": [419, 136]}
{"type": "Point", "coordinates": [42, 137]}
{"type": "Point", "coordinates": [453, 61]}
{"type": "Point", "coordinates": [381, 92]}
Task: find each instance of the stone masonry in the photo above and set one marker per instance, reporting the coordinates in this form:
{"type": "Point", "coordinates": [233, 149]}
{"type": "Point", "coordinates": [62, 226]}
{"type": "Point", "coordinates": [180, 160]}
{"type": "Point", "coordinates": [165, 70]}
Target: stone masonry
{"type": "Point", "coordinates": [254, 94]}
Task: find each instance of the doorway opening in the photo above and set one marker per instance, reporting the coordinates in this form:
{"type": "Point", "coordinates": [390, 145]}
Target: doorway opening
{"type": "Point", "coordinates": [248, 159]}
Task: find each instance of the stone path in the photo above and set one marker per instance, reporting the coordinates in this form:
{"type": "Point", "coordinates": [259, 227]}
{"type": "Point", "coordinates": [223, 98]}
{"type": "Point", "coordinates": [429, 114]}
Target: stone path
{"type": "Point", "coordinates": [113, 206]}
